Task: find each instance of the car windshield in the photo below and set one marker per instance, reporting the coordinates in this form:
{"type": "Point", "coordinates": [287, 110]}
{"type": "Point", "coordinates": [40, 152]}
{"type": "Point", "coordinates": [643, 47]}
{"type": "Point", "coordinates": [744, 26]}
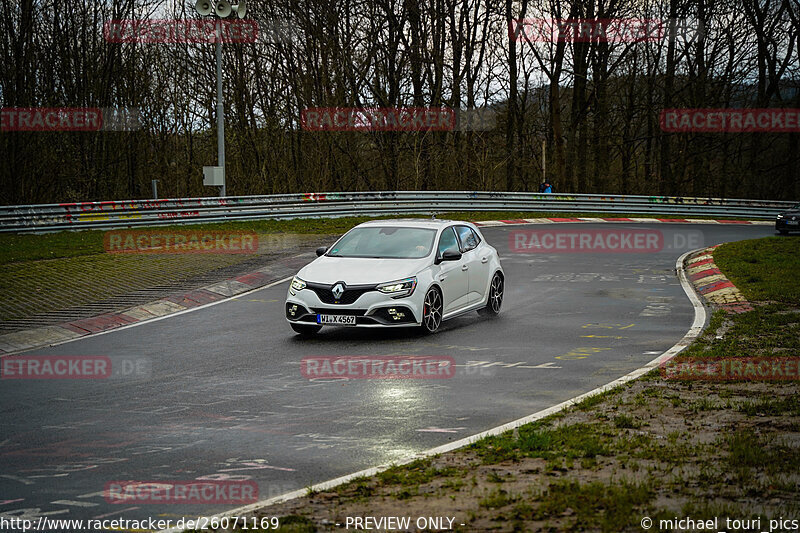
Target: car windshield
{"type": "Point", "coordinates": [385, 242]}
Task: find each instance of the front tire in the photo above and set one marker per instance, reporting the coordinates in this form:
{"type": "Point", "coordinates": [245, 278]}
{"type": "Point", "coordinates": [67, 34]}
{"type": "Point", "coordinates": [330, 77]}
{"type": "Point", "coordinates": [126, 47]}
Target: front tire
{"type": "Point", "coordinates": [306, 330]}
{"type": "Point", "coordinates": [495, 300]}
{"type": "Point", "coordinates": [783, 231]}
{"type": "Point", "coordinates": [432, 311]}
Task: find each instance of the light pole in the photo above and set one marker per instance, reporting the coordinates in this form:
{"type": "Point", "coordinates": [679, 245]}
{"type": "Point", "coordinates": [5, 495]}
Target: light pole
{"type": "Point", "coordinates": [220, 110]}
{"type": "Point", "coordinates": [215, 176]}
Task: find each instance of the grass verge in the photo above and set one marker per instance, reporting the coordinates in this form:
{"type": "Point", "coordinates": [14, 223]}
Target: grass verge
{"type": "Point", "coordinates": [763, 269]}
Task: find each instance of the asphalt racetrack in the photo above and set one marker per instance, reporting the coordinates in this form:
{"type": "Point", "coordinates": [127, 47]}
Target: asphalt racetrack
{"type": "Point", "coordinates": [217, 393]}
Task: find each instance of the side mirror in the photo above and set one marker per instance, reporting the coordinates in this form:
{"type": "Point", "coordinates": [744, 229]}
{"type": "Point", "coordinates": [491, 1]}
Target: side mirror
{"type": "Point", "coordinates": [451, 254]}
{"type": "Point", "coordinates": [321, 250]}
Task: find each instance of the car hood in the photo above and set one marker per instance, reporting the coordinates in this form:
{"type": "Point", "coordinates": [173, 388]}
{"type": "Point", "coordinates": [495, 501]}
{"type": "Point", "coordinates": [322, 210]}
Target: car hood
{"type": "Point", "coordinates": [360, 271]}
{"type": "Point", "coordinates": [791, 213]}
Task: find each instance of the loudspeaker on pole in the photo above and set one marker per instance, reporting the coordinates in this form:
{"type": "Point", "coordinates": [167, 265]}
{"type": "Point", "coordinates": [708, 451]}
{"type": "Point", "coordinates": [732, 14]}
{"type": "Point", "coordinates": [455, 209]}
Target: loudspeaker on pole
{"type": "Point", "coordinates": [203, 7]}
{"type": "Point", "coordinates": [223, 8]}
{"type": "Point", "coordinates": [241, 9]}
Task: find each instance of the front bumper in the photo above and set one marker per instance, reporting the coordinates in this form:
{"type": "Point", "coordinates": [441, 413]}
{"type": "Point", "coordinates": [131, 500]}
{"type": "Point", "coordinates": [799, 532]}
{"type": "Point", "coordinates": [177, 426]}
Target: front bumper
{"type": "Point", "coordinates": [371, 309]}
{"type": "Point", "coordinates": [784, 224]}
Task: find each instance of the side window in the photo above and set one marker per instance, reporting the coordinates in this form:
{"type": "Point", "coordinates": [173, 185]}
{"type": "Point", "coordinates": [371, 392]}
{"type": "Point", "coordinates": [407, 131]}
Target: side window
{"type": "Point", "coordinates": [447, 241]}
{"type": "Point", "coordinates": [469, 240]}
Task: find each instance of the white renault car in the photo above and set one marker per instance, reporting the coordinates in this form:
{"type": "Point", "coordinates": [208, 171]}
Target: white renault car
{"type": "Point", "coordinates": [407, 272]}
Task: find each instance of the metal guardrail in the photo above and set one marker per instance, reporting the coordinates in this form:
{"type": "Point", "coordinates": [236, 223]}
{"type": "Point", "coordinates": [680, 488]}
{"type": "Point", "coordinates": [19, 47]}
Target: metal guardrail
{"type": "Point", "coordinates": [128, 213]}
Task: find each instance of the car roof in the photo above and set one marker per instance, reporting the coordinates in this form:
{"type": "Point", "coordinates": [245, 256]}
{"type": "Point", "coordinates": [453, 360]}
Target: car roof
{"type": "Point", "coordinates": [432, 223]}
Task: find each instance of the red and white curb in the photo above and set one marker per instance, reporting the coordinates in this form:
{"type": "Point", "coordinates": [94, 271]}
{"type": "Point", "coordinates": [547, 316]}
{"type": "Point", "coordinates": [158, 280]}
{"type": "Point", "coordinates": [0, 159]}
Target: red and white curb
{"type": "Point", "coordinates": [713, 285]}
{"type": "Point", "coordinates": [489, 223]}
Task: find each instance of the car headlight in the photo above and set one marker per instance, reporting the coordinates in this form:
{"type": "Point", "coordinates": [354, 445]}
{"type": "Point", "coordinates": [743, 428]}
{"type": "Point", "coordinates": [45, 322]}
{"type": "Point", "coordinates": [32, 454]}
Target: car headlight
{"type": "Point", "coordinates": [400, 288]}
{"type": "Point", "coordinates": [297, 285]}
{"type": "Point", "coordinates": [780, 217]}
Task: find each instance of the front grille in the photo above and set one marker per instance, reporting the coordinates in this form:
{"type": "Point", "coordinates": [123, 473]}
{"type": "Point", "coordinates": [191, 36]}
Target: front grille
{"type": "Point", "coordinates": [349, 296]}
{"type": "Point", "coordinates": [357, 312]}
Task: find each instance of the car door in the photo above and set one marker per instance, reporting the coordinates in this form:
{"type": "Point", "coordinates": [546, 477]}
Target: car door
{"type": "Point", "coordinates": [476, 258]}
{"type": "Point", "coordinates": [453, 276]}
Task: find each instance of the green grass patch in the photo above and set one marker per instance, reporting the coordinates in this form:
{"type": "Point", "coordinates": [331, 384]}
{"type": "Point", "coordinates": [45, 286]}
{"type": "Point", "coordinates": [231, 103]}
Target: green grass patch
{"type": "Point", "coordinates": [624, 421]}
{"type": "Point", "coordinates": [494, 477]}
{"type": "Point", "coordinates": [748, 449]}
{"type": "Point", "coordinates": [765, 269]}
{"type": "Point", "coordinates": [745, 449]}
{"type": "Point", "coordinates": [770, 331]}
{"type": "Point", "coordinates": [587, 404]}
{"type": "Point", "coordinates": [768, 406]}
{"type": "Point", "coordinates": [575, 441]}
{"type": "Point", "coordinates": [609, 506]}
{"type": "Point", "coordinates": [415, 473]}
{"type": "Point", "coordinates": [497, 498]}
{"type": "Point", "coordinates": [16, 248]}
{"type": "Point", "coordinates": [675, 451]}
{"type": "Point", "coordinates": [358, 489]}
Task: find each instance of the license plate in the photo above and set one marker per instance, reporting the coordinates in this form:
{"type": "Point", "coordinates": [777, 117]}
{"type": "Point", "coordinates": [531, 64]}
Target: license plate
{"type": "Point", "coordinates": [793, 222]}
{"type": "Point", "coordinates": [337, 320]}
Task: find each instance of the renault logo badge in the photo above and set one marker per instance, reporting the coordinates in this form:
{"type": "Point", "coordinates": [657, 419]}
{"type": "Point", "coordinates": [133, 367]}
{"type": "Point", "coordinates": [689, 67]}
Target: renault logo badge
{"type": "Point", "coordinates": [337, 290]}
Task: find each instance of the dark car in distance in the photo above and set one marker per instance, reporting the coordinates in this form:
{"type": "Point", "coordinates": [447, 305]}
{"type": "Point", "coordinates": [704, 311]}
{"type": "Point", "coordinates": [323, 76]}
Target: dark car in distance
{"type": "Point", "coordinates": [788, 220]}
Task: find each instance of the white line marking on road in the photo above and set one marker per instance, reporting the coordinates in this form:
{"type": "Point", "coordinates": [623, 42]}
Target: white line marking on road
{"type": "Point", "coordinates": [92, 494]}
{"type": "Point", "coordinates": [255, 466]}
{"type": "Point", "coordinates": [74, 504]}
{"type": "Point", "coordinates": [545, 365]}
{"type": "Point", "coordinates": [694, 331]}
{"type": "Point", "coordinates": [17, 478]}
{"type": "Point", "coordinates": [115, 512]}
